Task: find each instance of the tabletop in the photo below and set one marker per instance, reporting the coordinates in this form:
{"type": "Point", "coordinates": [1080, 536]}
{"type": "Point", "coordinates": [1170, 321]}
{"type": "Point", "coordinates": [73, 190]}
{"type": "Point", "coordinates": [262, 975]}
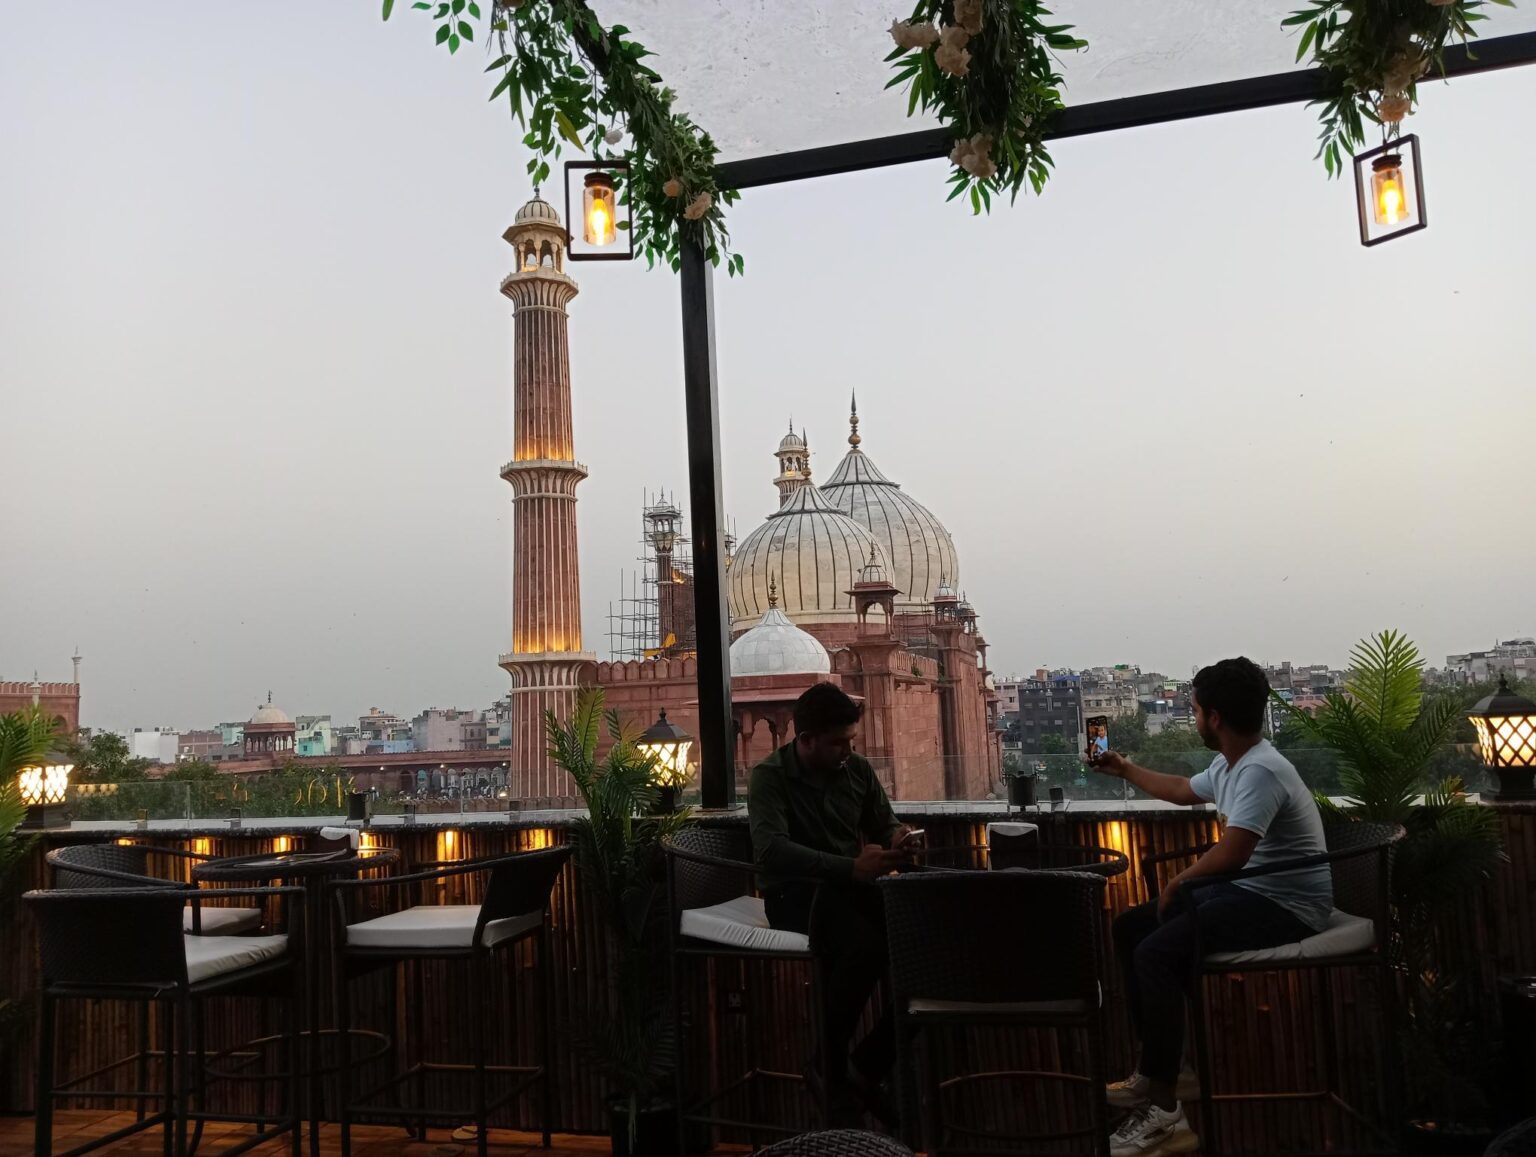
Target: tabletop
{"type": "Point", "coordinates": [294, 865]}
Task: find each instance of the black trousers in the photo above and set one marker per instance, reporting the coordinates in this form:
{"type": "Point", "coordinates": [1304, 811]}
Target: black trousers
{"type": "Point", "coordinates": [847, 930]}
{"type": "Point", "coordinates": [1157, 960]}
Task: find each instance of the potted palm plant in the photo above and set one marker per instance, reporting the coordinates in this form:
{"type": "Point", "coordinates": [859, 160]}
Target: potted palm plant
{"type": "Point", "coordinates": [1386, 737]}
{"type": "Point", "coordinates": [618, 854]}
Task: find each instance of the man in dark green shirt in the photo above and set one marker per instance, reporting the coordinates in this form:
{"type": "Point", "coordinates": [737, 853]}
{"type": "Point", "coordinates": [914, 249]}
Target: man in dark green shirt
{"type": "Point", "coordinates": [823, 831]}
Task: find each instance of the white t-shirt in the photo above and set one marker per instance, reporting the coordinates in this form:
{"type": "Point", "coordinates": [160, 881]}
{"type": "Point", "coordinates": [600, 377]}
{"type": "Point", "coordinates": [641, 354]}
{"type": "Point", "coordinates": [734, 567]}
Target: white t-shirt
{"type": "Point", "coordinates": [1264, 795]}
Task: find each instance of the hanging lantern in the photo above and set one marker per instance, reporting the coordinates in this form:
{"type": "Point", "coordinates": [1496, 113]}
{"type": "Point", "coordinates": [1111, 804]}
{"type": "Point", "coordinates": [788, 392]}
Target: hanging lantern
{"type": "Point", "coordinates": [669, 744]}
{"type": "Point", "coordinates": [43, 788]}
{"type": "Point", "coordinates": [602, 220]}
{"type": "Point", "coordinates": [1389, 191]}
{"type": "Point", "coordinates": [1506, 738]}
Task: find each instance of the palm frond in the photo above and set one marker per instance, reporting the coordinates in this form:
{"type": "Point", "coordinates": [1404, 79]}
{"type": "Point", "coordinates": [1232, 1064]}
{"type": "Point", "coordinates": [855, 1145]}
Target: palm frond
{"type": "Point", "coordinates": [1386, 678]}
{"type": "Point", "coordinates": [25, 739]}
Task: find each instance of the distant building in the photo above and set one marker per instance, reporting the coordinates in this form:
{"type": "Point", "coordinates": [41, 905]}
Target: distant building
{"type": "Point", "coordinates": [1308, 681]}
{"type": "Point", "coordinates": [448, 729]}
{"type": "Point", "coordinates": [206, 745]}
{"type": "Point", "coordinates": [269, 732]}
{"type": "Point", "coordinates": [1051, 703]}
{"type": "Point", "coordinates": [1115, 699]}
{"type": "Point", "coordinates": [60, 700]}
{"type": "Point", "coordinates": [157, 744]}
{"type": "Point", "coordinates": [1515, 658]}
{"type": "Point", "coordinates": [312, 735]}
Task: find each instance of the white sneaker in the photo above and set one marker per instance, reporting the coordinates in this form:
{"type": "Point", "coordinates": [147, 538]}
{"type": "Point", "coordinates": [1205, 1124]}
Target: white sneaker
{"type": "Point", "coordinates": [1132, 1091]}
{"type": "Point", "coordinates": [1153, 1132]}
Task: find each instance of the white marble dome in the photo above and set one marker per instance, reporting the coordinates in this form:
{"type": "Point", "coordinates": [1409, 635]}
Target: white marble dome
{"type": "Point", "coordinates": [777, 647]}
{"type": "Point", "coordinates": [919, 554]}
{"type": "Point", "coordinates": [812, 551]}
{"type": "Point", "coordinates": [267, 713]}
{"type": "Point", "coordinates": [537, 209]}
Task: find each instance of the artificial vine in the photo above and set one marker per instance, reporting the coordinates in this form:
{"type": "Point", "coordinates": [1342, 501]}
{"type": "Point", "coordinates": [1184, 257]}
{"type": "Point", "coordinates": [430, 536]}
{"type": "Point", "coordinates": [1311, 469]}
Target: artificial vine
{"type": "Point", "coordinates": [1376, 51]}
{"type": "Point", "coordinates": [987, 69]}
{"type": "Point", "coordinates": [569, 80]}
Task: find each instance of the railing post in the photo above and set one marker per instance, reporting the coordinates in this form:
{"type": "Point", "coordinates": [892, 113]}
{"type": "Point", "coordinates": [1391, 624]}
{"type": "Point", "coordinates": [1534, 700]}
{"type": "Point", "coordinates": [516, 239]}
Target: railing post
{"type": "Point", "coordinates": [717, 764]}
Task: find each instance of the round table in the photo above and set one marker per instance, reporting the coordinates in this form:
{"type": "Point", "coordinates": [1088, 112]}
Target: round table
{"type": "Point", "coordinates": [310, 870]}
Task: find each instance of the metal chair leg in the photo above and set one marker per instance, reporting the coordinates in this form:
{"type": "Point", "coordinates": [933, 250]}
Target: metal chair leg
{"type": "Point", "coordinates": [166, 1011]}
{"type": "Point", "coordinates": [477, 1044]}
{"type": "Point", "coordinates": [295, 1098]}
{"type": "Point", "coordinates": [141, 1067]}
{"type": "Point", "coordinates": [1208, 1130]}
{"type": "Point", "coordinates": [344, 1039]}
{"type": "Point", "coordinates": [546, 1038]}
{"type": "Point", "coordinates": [184, 1054]}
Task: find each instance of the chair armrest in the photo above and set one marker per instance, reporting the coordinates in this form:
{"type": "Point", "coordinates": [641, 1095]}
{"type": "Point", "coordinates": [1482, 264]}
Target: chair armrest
{"type": "Point", "coordinates": [1149, 863]}
{"type": "Point", "coordinates": [742, 867]}
{"type": "Point", "coordinates": [443, 870]}
{"type": "Point", "coordinates": [1317, 859]}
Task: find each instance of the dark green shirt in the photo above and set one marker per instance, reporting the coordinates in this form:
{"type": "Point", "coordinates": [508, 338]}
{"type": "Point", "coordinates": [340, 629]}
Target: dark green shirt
{"type": "Point", "coordinates": [812, 825]}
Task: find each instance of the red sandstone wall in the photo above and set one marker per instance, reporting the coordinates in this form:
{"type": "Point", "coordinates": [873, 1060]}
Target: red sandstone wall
{"type": "Point", "coordinates": [61, 700]}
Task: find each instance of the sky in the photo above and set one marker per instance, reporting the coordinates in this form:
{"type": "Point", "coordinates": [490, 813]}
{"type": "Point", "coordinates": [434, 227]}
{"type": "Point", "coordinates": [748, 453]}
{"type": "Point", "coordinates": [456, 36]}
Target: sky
{"type": "Point", "coordinates": [256, 375]}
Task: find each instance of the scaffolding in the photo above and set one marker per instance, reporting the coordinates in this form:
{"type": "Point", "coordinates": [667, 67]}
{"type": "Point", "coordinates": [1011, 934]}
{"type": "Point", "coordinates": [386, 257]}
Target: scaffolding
{"type": "Point", "coordinates": [642, 624]}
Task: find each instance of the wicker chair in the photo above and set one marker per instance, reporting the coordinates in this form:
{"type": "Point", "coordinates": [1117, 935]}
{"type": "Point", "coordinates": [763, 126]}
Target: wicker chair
{"type": "Point", "coordinates": [513, 909]}
{"type": "Point", "coordinates": [838, 1143]}
{"type": "Point", "coordinates": [1359, 855]}
{"type": "Point", "coordinates": [114, 865]}
{"type": "Point", "coordinates": [715, 915]}
{"type": "Point", "coordinates": [127, 944]}
{"type": "Point", "coordinates": [1022, 949]}
{"type": "Point", "coordinates": [1516, 1141]}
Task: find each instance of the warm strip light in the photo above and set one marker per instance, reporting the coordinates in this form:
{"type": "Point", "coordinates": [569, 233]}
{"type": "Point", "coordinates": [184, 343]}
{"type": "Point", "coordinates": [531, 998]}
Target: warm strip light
{"type": "Point", "coordinates": [282, 844]}
{"type": "Point", "coordinates": [538, 838]}
{"type": "Point", "coordinates": [202, 845]}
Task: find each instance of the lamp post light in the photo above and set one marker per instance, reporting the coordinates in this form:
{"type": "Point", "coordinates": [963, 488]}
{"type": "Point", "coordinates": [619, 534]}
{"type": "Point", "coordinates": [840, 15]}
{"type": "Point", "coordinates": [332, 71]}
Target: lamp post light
{"type": "Point", "coordinates": [1506, 737]}
{"type": "Point", "coordinates": [1389, 191]}
{"type": "Point", "coordinates": [668, 744]}
{"type": "Point", "coordinates": [43, 788]}
{"type": "Point", "coordinates": [601, 223]}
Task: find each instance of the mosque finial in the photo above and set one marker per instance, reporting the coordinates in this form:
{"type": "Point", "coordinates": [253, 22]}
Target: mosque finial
{"type": "Point", "coordinates": [853, 419]}
{"type": "Point", "coordinates": [773, 593]}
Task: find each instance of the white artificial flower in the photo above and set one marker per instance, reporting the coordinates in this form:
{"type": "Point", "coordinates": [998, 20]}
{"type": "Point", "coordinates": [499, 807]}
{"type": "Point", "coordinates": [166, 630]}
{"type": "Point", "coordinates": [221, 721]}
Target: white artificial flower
{"type": "Point", "coordinates": [907, 34]}
{"type": "Point", "coordinates": [954, 36]}
{"type": "Point", "coordinates": [968, 15]}
{"type": "Point", "coordinates": [673, 188]}
{"type": "Point", "coordinates": [1393, 107]}
{"type": "Point", "coordinates": [698, 207]}
{"type": "Point", "coordinates": [614, 135]}
{"type": "Point", "coordinates": [955, 61]}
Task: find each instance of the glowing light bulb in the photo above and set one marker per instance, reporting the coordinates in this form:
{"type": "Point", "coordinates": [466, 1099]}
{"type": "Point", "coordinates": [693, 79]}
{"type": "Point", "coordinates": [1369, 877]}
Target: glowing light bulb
{"type": "Point", "coordinates": [598, 205]}
{"type": "Point", "coordinates": [600, 224]}
{"type": "Point", "coordinates": [1390, 198]}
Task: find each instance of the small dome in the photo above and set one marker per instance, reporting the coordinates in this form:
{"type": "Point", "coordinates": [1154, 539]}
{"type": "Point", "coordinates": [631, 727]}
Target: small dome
{"type": "Point", "coordinates": [269, 714]}
{"type": "Point", "coordinates": [791, 441]}
{"type": "Point", "coordinates": [777, 647]}
{"type": "Point", "coordinates": [537, 209]}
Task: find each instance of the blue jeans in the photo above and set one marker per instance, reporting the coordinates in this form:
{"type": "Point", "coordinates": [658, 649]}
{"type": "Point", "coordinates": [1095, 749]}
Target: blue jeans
{"type": "Point", "coordinates": [1157, 959]}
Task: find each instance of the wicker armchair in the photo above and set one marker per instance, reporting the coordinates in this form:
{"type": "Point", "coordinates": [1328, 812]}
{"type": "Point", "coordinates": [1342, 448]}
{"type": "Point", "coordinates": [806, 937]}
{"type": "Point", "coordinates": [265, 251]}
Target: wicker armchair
{"type": "Point", "coordinates": [124, 944]}
{"type": "Point", "coordinates": [838, 1143]}
{"type": "Point", "coordinates": [715, 915]}
{"type": "Point", "coordinates": [999, 948]}
{"type": "Point", "coordinates": [1516, 1141]}
{"type": "Point", "coordinates": [114, 865]}
{"type": "Point", "coordinates": [1359, 856]}
{"type": "Point", "coordinates": [513, 908]}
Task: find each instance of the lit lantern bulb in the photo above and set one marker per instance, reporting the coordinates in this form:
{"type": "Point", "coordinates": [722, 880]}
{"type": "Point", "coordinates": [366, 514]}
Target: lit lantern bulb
{"type": "Point", "coordinates": [1387, 185]}
{"type": "Point", "coordinates": [598, 210]}
{"type": "Point", "coordinates": [599, 224]}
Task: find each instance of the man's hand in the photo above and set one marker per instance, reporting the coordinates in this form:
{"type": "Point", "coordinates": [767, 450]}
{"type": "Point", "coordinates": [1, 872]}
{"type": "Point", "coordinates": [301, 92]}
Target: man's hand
{"type": "Point", "coordinates": [906, 839]}
{"type": "Point", "coordinates": [1108, 763]}
{"type": "Point", "coordinates": [1167, 898]}
{"type": "Point", "coordinates": [874, 862]}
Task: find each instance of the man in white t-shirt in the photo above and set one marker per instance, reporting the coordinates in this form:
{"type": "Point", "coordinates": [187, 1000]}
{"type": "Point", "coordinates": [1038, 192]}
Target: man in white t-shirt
{"type": "Point", "coordinates": [1267, 816]}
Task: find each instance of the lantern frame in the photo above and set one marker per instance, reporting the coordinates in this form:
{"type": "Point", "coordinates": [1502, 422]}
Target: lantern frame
{"type": "Point", "coordinates": [1517, 714]}
{"type": "Point", "coordinates": [44, 788]}
{"type": "Point", "coordinates": [572, 253]}
{"type": "Point", "coordinates": [1406, 148]}
{"type": "Point", "coordinates": [669, 744]}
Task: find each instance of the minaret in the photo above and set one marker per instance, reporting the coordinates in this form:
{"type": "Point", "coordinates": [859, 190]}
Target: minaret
{"type": "Point", "coordinates": [794, 455]}
{"type": "Point", "coordinates": [546, 661]}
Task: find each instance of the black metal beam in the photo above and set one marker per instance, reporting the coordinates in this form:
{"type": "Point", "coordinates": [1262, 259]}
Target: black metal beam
{"type": "Point", "coordinates": [706, 515]}
{"type": "Point", "coordinates": [1104, 116]}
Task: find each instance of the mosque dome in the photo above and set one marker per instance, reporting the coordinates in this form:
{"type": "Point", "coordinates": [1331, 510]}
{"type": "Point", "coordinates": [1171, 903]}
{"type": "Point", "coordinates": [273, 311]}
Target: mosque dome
{"type": "Point", "coordinates": [777, 647]}
{"type": "Point", "coordinates": [919, 553]}
{"type": "Point", "coordinates": [271, 715]}
{"type": "Point", "coordinates": [538, 209]}
{"type": "Point", "coordinates": [792, 441]}
{"type": "Point", "coordinates": [814, 553]}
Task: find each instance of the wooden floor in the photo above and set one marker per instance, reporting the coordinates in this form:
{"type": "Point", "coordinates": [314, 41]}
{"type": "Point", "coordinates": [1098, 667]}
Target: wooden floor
{"type": "Point", "coordinates": [76, 1128]}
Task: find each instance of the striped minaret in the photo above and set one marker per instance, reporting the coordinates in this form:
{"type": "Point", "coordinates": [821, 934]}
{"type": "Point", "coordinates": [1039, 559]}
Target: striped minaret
{"type": "Point", "coordinates": [546, 662]}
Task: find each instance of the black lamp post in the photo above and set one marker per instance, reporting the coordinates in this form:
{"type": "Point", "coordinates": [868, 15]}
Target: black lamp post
{"type": "Point", "coordinates": [669, 745]}
{"type": "Point", "coordinates": [1506, 735]}
{"type": "Point", "coordinates": [43, 787]}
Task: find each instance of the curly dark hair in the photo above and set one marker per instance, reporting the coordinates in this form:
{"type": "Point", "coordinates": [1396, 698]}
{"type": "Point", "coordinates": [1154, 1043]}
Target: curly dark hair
{"type": "Point", "coordinates": [1237, 690]}
{"type": "Point", "coordinates": [825, 707]}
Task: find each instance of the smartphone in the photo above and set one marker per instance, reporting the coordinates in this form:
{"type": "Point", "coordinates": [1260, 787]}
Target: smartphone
{"type": "Point", "coordinates": [1098, 735]}
{"type": "Point", "coordinates": [912, 836]}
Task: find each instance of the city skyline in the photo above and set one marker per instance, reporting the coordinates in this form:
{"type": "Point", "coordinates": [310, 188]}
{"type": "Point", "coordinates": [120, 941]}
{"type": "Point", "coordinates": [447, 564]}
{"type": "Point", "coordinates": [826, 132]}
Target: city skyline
{"type": "Point", "coordinates": [250, 311]}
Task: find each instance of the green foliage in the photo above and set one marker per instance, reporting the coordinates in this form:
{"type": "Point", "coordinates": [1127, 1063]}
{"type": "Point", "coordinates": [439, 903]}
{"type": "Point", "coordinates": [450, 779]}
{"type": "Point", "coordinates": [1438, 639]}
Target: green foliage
{"type": "Point", "coordinates": [104, 758]}
{"type": "Point", "coordinates": [1388, 737]}
{"type": "Point", "coordinates": [1054, 743]}
{"type": "Point", "coordinates": [1373, 48]}
{"type": "Point", "coordinates": [1126, 735]}
{"type": "Point", "coordinates": [569, 80]}
{"type": "Point", "coordinates": [1009, 92]}
{"type": "Point", "coordinates": [618, 852]}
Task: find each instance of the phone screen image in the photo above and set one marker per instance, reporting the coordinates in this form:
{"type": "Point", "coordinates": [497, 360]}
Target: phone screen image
{"type": "Point", "coordinates": [1098, 734]}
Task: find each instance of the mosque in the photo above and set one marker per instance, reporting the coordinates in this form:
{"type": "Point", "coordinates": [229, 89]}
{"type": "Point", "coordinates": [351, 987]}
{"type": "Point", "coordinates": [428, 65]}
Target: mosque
{"type": "Point", "coordinates": [851, 580]}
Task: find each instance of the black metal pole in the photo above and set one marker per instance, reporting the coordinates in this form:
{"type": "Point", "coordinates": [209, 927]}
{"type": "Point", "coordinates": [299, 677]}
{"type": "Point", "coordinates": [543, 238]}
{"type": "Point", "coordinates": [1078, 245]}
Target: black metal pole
{"type": "Point", "coordinates": [717, 762]}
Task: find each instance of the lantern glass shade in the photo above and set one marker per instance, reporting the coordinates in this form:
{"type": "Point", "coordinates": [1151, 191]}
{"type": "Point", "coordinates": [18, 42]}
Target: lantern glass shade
{"type": "Point", "coordinates": [669, 746]}
{"type": "Point", "coordinates": [1506, 728]}
{"type": "Point", "coordinates": [599, 220]}
{"type": "Point", "coordinates": [44, 785]}
{"type": "Point", "coordinates": [1389, 191]}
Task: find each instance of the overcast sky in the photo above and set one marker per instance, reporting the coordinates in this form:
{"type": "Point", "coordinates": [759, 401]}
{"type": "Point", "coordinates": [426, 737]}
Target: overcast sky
{"type": "Point", "coordinates": [257, 380]}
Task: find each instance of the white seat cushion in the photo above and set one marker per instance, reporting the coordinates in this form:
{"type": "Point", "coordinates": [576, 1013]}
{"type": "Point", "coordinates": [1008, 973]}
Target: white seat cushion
{"type": "Point", "coordinates": [221, 921]}
{"type": "Point", "coordinates": [1012, 830]}
{"type": "Point", "coordinates": [436, 926]}
{"type": "Point", "coordinates": [741, 923]}
{"type": "Point", "coordinates": [1345, 935]}
{"type": "Point", "coordinates": [210, 956]}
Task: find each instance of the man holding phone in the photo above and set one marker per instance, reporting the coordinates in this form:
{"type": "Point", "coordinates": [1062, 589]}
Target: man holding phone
{"type": "Point", "coordinates": [818, 812]}
{"type": "Point", "coordinates": [1267, 816]}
